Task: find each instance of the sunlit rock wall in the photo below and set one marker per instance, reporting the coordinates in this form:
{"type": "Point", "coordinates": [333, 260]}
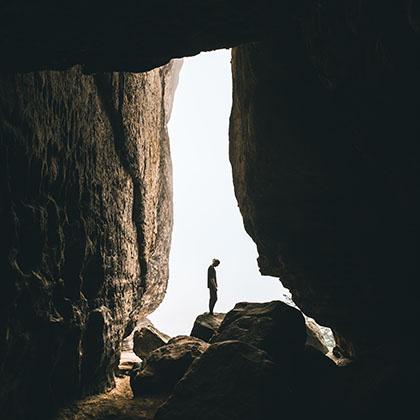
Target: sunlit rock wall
{"type": "Point", "coordinates": [85, 222]}
{"type": "Point", "coordinates": [325, 156]}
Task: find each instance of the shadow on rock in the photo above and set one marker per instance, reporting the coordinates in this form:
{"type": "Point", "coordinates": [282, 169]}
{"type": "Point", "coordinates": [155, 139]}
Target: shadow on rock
{"type": "Point", "coordinates": [165, 366]}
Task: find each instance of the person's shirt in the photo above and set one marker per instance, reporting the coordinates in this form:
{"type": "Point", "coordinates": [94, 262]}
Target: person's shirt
{"type": "Point", "coordinates": [211, 277]}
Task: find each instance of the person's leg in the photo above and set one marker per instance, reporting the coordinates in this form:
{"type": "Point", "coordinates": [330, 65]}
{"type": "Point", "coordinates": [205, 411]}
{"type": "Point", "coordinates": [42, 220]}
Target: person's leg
{"type": "Point", "coordinates": [213, 299]}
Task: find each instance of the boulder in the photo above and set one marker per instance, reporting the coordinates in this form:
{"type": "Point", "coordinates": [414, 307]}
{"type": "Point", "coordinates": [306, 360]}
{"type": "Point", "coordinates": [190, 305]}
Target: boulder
{"type": "Point", "coordinates": [128, 363]}
{"type": "Point", "coordinates": [231, 380]}
{"type": "Point", "coordinates": [314, 336]}
{"type": "Point", "coordinates": [165, 366]}
{"type": "Point", "coordinates": [148, 339]}
{"type": "Point", "coordinates": [315, 376]}
{"type": "Point", "coordinates": [275, 327]}
{"type": "Point", "coordinates": [206, 325]}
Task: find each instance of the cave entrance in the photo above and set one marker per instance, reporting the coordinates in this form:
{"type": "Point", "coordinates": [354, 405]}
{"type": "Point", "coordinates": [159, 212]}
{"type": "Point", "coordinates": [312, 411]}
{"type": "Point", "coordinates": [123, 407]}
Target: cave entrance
{"type": "Point", "coordinates": [207, 221]}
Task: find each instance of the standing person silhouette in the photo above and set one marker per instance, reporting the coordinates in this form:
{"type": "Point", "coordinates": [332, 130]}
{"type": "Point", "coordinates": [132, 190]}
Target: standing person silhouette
{"type": "Point", "coordinates": [212, 284]}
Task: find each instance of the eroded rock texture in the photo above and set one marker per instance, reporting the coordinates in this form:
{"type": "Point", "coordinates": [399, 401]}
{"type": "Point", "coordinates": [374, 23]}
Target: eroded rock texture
{"type": "Point", "coordinates": [147, 339]}
{"type": "Point", "coordinates": [325, 156]}
{"type": "Point", "coordinates": [165, 366]}
{"type": "Point", "coordinates": [86, 217]}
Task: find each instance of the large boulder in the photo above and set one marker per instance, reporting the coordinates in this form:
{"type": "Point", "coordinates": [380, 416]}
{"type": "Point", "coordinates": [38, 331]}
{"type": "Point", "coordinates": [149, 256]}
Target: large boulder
{"type": "Point", "coordinates": [206, 325]}
{"type": "Point", "coordinates": [275, 327]}
{"type": "Point", "coordinates": [148, 339]}
{"type": "Point", "coordinates": [165, 366]}
{"type": "Point", "coordinates": [316, 376]}
{"type": "Point", "coordinates": [231, 380]}
{"type": "Point", "coordinates": [314, 336]}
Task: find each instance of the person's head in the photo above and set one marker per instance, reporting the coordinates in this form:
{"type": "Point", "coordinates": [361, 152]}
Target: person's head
{"type": "Point", "coordinates": [216, 262]}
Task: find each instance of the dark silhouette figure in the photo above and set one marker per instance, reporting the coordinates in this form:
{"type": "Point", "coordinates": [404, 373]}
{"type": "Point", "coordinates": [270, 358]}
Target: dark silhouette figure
{"type": "Point", "coordinates": [212, 284]}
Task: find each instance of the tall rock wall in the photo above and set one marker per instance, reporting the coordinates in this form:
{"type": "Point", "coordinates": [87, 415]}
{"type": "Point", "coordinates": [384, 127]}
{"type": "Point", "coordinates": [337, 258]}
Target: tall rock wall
{"type": "Point", "coordinates": [325, 156]}
{"type": "Point", "coordinates": [86, 218]}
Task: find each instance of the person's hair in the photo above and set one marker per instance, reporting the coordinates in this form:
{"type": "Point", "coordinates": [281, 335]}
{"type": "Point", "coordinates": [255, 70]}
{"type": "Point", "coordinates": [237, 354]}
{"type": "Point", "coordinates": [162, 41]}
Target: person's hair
{"type": "Point", "coordinates": [215, 260]}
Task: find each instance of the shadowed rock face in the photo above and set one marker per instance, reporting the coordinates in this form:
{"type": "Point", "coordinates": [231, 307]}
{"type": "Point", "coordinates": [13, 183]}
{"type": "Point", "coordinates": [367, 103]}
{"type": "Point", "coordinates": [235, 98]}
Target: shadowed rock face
{"type": "Point", "coordinates": [166, 365]}
{"type": "Point", "coordinates": [137, 37]}
{"type": "Point", "coordinates": [206, 325]}
{"type": "Point", "coordinates": [274, 327]}
{"type": "Point", "coordinates": [231, 380]}
{"type": "Point", "coordinates": [86, 217]}
{"type": "Point", "coordinates": [324, 150]}
{"type": "Point", "coordinates": [325, 156]}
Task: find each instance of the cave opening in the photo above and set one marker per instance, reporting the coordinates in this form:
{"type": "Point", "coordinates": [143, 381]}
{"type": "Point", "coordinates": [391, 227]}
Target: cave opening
{"type": "Point", "coordinates": [207, 220]}
{"type": "Point", "coordinates": [333, 206]}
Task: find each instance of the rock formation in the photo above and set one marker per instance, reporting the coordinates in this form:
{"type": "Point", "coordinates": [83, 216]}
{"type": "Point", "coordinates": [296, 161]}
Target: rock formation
{"type": "Point", "coordinates": [86, 217]}
{"type": "Point", "coordinates": [148, 339]}
{"type": "Point", "coordinates": [324, 156]}
{"type": "Point", "coordinates": [324, 150]}
{"type": "Point", "coordinates": [141, 36]}
{"type": "Point", "coordinates": [231, 380]}
{"type": "Point", "coordinates": [274, 327]}
{"type": "Point", "coordinates": [165, 366]}
{"type": "Point", "coordinates": [206, 325]}
{"type": "Point", "coordinates": [236, 379]}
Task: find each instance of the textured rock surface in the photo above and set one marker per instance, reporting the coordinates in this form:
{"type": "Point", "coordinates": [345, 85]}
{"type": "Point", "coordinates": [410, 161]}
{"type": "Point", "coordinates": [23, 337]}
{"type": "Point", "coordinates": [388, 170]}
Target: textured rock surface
{"type": "Point", "coordinates": [165, 366]}
{"type": "Point", "coordinates": [206, 325]}
{"type": "Point", "coordinates": [231, 380]}
{"type": "Point", "coordinates": [86, 216]}
{"type": "Point", "coordinates": [324, 151]}
{"type": "Point", "coordinates": [274, 327]}
{"type": "Point", "coordinates": [148, 339]}
{"type": "Point", "coordinates": [234, 379]}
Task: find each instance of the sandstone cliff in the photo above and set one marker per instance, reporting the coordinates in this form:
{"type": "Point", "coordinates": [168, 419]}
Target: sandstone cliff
{"type": "Point", "coordinates": [86, 219]}
{"type": "Point", "coordinates": [324, 151]}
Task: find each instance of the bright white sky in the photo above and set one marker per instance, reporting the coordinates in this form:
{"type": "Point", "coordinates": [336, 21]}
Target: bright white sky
{"type": "Point", "coordinates": [207, 221]}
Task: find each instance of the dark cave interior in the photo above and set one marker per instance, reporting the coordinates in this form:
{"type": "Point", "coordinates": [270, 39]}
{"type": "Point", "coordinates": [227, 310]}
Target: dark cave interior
{"type": "Point", "coordinates": [324, 149]}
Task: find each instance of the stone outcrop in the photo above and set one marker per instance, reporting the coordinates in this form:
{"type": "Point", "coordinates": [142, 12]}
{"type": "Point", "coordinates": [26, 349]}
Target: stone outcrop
{"type": "Point", "coordinates": [86, 217]}
{"type": "Point", "coordinates": [148, 339]}
{"type": "Point", "coordinates": [206, 325]}
{"type": "Point", "coordinates": [324, 156]}
{"type": "Point", "coordinates": [165, 366]}
{"type": "Point", "coordinates": [324, 150]}
{"type": "Point", "coordinates": [274, 327]}
{"type": "Point", "coordinates": [231, 380]}
{"type": "Point", "coordinates": [236, 379]}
